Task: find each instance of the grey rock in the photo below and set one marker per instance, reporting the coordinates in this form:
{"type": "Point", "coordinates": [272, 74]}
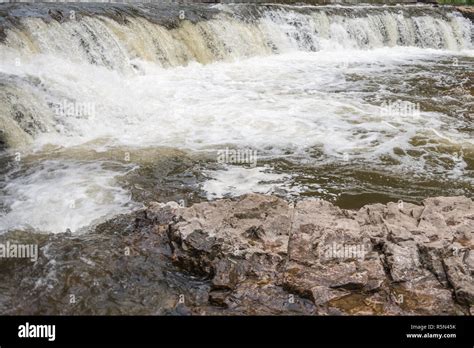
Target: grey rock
{"type": "Point", "coordinates": [335, 257]}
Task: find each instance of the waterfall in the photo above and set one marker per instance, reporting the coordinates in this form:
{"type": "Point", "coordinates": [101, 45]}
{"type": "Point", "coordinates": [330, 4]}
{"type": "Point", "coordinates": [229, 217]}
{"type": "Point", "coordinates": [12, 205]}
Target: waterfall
{"type": "Point", "coordinates": [125, 39]}
{"type": "Point", "coordinates": [233, 32]}
{"type": "Point", "coordinates": [104, 105]}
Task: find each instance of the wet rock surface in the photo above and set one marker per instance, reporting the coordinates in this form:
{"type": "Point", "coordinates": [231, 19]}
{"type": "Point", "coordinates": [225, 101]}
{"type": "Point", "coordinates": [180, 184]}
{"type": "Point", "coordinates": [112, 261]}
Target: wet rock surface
{"type": "Point", "coordinates": [254, 255]}
{"type": "Point", "coordinates": [467, 11]}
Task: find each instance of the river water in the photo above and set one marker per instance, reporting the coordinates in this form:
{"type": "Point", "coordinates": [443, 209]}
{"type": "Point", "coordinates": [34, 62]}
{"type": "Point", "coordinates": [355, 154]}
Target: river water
{"type": "Point", "coordinates": [353, 105]}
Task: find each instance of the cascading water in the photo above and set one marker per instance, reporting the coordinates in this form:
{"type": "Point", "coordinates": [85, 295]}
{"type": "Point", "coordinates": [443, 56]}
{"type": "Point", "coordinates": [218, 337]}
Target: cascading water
{"type": "Point", "coordinates": [102, 104]}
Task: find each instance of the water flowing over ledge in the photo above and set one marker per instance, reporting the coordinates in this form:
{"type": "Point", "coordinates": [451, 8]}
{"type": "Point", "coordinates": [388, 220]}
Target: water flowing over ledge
{"type": "Point", "coordinates": [125, 37]}
{"type": "Point", "coordinates": [255, 254]}
{"type": "Point", "coordinates": [106, 106]}
{"type": "Point", "coordinates": [113, 35]}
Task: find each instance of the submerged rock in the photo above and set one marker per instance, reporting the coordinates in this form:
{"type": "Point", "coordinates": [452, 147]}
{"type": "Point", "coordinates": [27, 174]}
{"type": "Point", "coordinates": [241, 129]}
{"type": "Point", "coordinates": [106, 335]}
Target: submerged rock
{"type": "Point", "coordinates": [256, 254]}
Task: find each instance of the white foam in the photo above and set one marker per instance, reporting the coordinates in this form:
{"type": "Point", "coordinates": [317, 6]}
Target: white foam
{"type": "Point", "coordinates": [63, 195]}
{"type": "Point", "coordinates": [234, 181]}
{"type": "Point", "coordinates": [276, 104]}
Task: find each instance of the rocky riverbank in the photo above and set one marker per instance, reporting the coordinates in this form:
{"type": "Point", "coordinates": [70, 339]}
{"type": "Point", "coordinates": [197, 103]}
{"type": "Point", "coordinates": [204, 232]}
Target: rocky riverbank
{"type": "Point", "coordinates": [256, 254]}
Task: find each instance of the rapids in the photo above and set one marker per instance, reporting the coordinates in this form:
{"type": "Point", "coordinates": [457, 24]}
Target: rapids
{"type": "Point", "coordinates": [105, 107]}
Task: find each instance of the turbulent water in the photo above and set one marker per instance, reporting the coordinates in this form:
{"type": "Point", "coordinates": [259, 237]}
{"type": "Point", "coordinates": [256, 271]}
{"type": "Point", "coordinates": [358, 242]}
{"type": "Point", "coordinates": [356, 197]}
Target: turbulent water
{"type": "Point", "coordinates": [105, 107]}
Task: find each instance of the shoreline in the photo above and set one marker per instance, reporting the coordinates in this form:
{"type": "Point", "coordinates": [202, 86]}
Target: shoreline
{"type": "Point", "coordinates": [257, 254]}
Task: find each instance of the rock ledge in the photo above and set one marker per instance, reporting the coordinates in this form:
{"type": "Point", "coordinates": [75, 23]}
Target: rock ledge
{"type": "Point", "coordinates": [259, 252]}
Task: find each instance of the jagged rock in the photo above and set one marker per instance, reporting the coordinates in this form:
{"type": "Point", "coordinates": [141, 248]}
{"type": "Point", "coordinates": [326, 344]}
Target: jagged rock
{"type": "Point", "coordinates": [328, 255]}
{"type": "Point", "coordinates": [327, 248]}
{"type": "Point", "coordinates": [424, 296]}
{"type": "Point", "coordinates": [403, 261]}
{"type": "Point", "coordinates": [461, 279]}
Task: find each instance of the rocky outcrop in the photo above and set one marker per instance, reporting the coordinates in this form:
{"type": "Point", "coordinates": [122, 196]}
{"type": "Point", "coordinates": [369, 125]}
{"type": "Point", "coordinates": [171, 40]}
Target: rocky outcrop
{"type": "Point", "coordinates": [398, 258]}
{"type": "Point", "coordinates": [258, 254]}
